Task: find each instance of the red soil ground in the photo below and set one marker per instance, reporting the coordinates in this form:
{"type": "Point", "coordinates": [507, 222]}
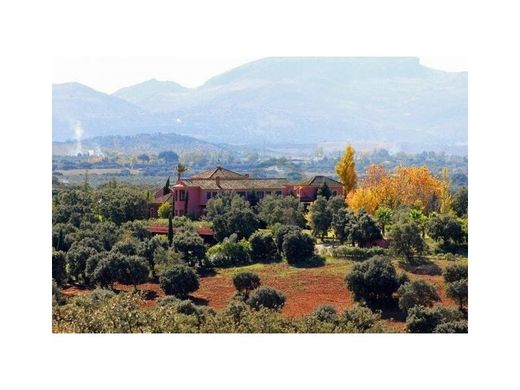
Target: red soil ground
{"type": "Point", "coordinates": [304, 288]}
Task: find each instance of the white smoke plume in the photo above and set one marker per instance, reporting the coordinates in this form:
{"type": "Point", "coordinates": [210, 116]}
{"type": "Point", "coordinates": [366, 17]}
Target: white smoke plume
{"type": "Point", "coordinates": [78, 133]}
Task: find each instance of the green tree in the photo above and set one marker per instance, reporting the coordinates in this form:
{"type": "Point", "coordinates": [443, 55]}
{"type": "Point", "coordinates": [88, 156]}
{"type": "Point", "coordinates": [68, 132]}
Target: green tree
{"type": "Point", "coordinates": [417, 292]}
{"type": "Point", "coordinates": [280, 232]}
{"type": "Point", "coordinates": [191, 246]}
{"type": "Point", "coordinates": [286, 210]}
{"type": "Point", "coordinates": [365, 230]}
{"type": "Point", "coordinates": [445, 228]}
{"type": "Point", "coordinates": [342, 224]}
{"type": "Point", "coordinates": [421, 319]}
{"type": "Point", "coordinates": [166, 188]}
{"type": "Point", "coordinates": [458, 290]}
{"type": "Point", "coordinates": [320, 217]}
{"type": "Point", "coordinates": [373, 281]}
{"type": "Point", "coordinates": [245, 282]}
{"type": "Point", "coordinates": [384, 217]}
{"type": "Point", "coordinates": [263, 248]}
{"type": "Point", "coordinates": [407, 240]}
{"type": "Point", "coordinates": [58, 267]}
{"type": "Point", "coordinates": [324, 191]}
{"type": "Point", "coordinates": [266, 297]}
{"type": "Point", "coordinates": [455, 272]}
{"type": "Point", "coordinates": [460, 202]}
{"type": "Point", "coordinates": [231, 214]}
{"type": "Point", "coordinates": [170, 230]}
{"type": "Point", "coordinates": [297, 247]}
{"type": "Point", "coordinates": [180, 280]}
{"type": "Point", "coordinates": [180, 169]}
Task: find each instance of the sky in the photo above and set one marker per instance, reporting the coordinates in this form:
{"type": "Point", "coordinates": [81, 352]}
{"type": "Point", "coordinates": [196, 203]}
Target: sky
{"type": "Point", "coordinates": [108, 74]}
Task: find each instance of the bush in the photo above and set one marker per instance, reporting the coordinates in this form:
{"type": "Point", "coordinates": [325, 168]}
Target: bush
{"type": "Point", "coordinates": [191, 245]}
{"type": "Point", "coordinates": [186, 307]}
{"type": "Point", "coordinates": [180, 280]}
{"type": "Point", "coordinates": [415, 293]}
{"type": "Point", "coordinates": [101, 294]}
{"type": "Point", "coordinates": [245, 282]}
{"type": "Point", "coordinates": [169, 300]}
{"type": "Point", "coordinates": [458, 291]}
{"type": "Point", "coordinates": [165, 210]}
{"type": "Point", "coordinates": [407, 240]}
{"type": "Point", "coordinates": [280, 232]}
{"type": "Point", "coordinates": [373, 281]}
{"type": "Point", "coordinates": [452, 327]}
{"type": "Point", "coordinates": [58, 267]}
{"type": "Point", "coordinates": [445, 228]}
{"type": "Point", "coordinates": [325, 313]}
{"type": "Point", "coordinates": [425, 320]}
{"type": "Point", "coordinates": [356, 253]}
{"type": "Point", "coordinates": [57, 297]}
{"type": "Point", "coordinates": [230, 253]}
{"type": "Point", "coordinates": [266, 297]}
{"type": "Point", "coordinates": [236, 310]}
{"type": "Point", "coordinates": [77, 258]}
{"type": "Point", "coordinates": [361, 318]}
{"type": "Point", "coordinates": [297, 247]}
{"type": "Point", "coordinates": [263, 248]}
{"type": "Point", "coordinates": [455, 272]}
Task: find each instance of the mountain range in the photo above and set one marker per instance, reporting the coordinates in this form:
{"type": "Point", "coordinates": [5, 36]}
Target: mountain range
{"type": "Point", "coordinates": [386, 100]}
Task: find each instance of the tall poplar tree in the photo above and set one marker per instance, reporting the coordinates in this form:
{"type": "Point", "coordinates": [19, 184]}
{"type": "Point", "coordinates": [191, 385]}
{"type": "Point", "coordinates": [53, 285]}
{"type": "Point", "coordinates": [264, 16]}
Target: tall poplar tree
{"type": "Point", "coordinates": [170, 230]}
{"type": "Point", "coordinates": [166, 188]}
{"type": "Point", "coordinates": [346, 170]}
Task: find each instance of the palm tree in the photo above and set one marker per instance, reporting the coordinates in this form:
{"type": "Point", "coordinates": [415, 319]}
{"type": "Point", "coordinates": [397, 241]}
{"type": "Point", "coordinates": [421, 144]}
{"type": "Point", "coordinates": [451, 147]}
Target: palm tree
{"type": "Point", "coordinates": [181, 168]}
{"type": "Point", "coordinates": [384, 217]}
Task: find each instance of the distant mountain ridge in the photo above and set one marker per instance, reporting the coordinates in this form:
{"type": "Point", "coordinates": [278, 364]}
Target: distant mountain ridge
{"type": "Point", "coordinates": [280, 100]}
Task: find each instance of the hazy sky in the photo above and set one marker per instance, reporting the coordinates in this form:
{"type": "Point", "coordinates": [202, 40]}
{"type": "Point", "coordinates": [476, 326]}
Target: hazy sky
{"type": "Point", "coordinates": [107, 74]}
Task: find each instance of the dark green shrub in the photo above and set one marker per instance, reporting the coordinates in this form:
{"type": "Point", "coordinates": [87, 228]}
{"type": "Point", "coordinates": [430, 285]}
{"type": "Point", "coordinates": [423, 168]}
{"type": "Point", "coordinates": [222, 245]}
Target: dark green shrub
{"type": "Point", "coordinates": [180, 280]}
{"type": "Point", "coordinates": [190, 245]}
{"type": "Point", "coordinates": [245, 282]}
{"type": "Point", "coordinates": [455, 272]}
{"type": "Point", "coordinates": [415, 293]}
{"type": "Point", "coordinates": [263, 248]}
{"type": "Point", "coordinates": [325, 313]}
{"type": "Point", "coordinates": [229, 253]}
{"type": "Point", "coordinates": [169, 300]}
{"type": "Point", "coordinates": [186, 307]}
{"type": "Point", "coordinates": [360, 318]}
{"type": "Point", "coordinates": [101, 294]}
{"type": "Point", "coordinates": [458, 290]}
{"type": "Point", "coordinates": [280, 232]}
{"type": "Point", "coordinates": [452, 327]}
{"type": "Point", "coordinates": [357, 253]}
{"type": "Point", "coordinates": [266, 297]}
{"type": "Point", "coordinates": [407, 240]}
{"type": "Point", "coordinates": [77, 258]}
{"type": "Point", "coordinates": [58, 267]}
{"type": "Point", "coordinates": [373, 281]}
{"type": "Point", "coordinates": [421, 319]}
{"type": "Point", "coordinates": [297, 247]}
{"type": "Point", "coordinates": [57, 296]}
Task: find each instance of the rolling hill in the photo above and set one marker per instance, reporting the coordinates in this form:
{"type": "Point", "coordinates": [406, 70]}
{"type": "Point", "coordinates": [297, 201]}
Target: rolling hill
{"type": "Point", "coordinates": [290, 100]}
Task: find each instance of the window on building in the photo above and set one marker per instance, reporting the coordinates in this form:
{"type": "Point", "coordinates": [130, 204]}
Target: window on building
{"type": "Point", "coordinates": [208, 195]}
{"type": "Point", "coordinates": [278, 193]}
{"type": "Point", "coordinates": [182, 194]}
{"type": "Point", "coordinates": [214, 194]}
{"type": "Point", "coordinates": [260, 194]}
{"type": "Point", "coordinates": [267, 193]}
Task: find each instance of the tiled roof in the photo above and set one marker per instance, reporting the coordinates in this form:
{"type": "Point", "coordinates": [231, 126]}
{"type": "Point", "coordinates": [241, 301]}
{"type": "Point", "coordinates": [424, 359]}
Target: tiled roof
{"type": "Point", "coordinates": [238, 184]}
{"type": "Point", "coordinates": [162, 199]}
{"type": "Point", "coordinates": [319, 180]}
{"type": "Point", "coordinates": [218, 172]}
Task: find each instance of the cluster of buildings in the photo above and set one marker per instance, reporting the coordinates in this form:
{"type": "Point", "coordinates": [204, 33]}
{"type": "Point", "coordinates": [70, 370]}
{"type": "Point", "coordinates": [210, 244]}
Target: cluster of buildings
{"type": "Point", "coordinates": [190, 196]}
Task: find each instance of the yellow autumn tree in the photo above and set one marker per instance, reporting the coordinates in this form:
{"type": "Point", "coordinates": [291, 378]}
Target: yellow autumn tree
{"type": "Point", "coordinates": [410, 186]}
{"type": "Point", "coordinates": [346, 170]}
